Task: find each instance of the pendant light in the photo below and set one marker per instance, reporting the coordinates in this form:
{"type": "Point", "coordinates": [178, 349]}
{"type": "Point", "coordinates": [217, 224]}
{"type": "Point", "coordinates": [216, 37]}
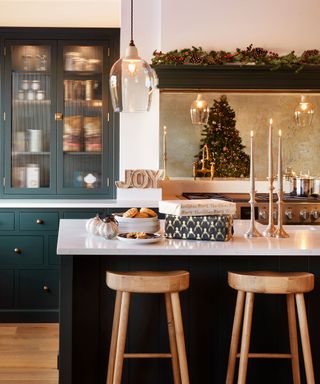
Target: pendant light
{"type": "Point", "coordinates": [304, 112]}
{"type": "Point", "coordinates": [199, 111]}
{"type": "Point", "coordinates": [132, 80]}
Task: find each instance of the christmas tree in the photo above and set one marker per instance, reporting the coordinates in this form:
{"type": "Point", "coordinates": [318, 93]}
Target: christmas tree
{"type": "Point", "coordinates": [224, 141]}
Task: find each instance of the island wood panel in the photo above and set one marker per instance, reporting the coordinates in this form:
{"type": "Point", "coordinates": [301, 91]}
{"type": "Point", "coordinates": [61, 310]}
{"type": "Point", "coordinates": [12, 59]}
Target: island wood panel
{"type": "Point", "coordinates": [207, 307]}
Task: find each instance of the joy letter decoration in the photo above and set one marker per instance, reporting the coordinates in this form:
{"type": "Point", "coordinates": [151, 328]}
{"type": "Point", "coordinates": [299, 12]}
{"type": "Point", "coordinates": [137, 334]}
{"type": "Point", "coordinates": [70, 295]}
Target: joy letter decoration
{"type": "Point", "coordinates": [140, 178]}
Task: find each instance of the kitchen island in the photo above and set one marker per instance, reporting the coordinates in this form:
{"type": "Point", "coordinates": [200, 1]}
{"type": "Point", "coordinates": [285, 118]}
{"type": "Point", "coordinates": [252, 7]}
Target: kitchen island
{"type": "Point", "coordinates": [86, 304]}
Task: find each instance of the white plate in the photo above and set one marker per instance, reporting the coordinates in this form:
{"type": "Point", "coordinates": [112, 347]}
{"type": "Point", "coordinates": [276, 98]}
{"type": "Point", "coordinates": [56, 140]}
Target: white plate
{"type": "Point", "coordinates": [135, 220]}
{"type": "Point", "coordinates": [155, 237]}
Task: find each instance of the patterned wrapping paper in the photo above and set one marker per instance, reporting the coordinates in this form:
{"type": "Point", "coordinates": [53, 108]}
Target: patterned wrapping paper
{"type": "Point", "coordinates": [198, 207]}
{"type": "Point", "coordinates": [212, 228]}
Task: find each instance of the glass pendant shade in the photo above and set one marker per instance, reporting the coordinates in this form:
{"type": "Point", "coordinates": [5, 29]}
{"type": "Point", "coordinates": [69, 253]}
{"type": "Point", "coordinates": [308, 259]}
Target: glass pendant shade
{"type": "Point", "coordinates": [304, 112]}
{"type": "Point", "coordinates": [132, 82]}
{"type": "Point", "coordinates": [199, 111]}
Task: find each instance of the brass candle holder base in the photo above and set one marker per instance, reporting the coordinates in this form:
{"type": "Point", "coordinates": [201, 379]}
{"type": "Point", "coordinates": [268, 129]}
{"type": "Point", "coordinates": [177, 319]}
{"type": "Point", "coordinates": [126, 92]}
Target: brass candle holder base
{"type": "Point", "coordinates": [252, 231]}
{"type": "Point", "coordinates": [270, 230]}
{"type": "Point", "coordinates": [280, 232]}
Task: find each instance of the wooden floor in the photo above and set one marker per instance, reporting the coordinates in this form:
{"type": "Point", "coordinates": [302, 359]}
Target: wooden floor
{"type": "Point", "coordinates": [28, 353]}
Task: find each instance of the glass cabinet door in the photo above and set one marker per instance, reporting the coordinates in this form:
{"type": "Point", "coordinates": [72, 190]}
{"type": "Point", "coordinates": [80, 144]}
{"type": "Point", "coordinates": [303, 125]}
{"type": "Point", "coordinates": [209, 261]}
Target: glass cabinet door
{"type": "Point", "coordinates": [29, 87]}
{"type": "Point", "coordinates": [81, 168]}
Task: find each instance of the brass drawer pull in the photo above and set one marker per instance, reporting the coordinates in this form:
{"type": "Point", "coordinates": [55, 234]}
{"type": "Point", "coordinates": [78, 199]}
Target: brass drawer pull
{"type": "Point", "coordinates": [58, 116]}
{"type": "Point", "coordinates": [39, 221]}
{"type": "Point", "coordinates": [17, 250]}
{"type": "Point", "coordinates": [46, 288]}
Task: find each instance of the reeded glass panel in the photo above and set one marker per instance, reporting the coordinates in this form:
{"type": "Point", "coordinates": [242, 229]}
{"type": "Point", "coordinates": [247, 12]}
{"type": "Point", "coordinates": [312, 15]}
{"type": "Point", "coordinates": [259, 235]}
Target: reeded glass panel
{"type": "Point", "coordinates": [31, 105]}
{"type": "Point", "coordinates": [82, 122]}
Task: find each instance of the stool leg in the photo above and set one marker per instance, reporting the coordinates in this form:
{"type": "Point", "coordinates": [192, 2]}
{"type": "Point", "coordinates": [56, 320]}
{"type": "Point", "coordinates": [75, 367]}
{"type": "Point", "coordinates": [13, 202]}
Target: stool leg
{"type": "Point", "coordinates": [172, 339]}
{"type": "Point", "coordinates": [114, 337]}
{"type": "Point", "coordinates": [180, 337]}
{"type": "Point", "coordinates": [238, 314]}
{"type": "Point", "coordinates": [305, 341]}
{"type": "Point", "coordinates": [245, 341]}
{"type": "Point", "coordinates": [292, 322]}
{"type": "Point", "coordinates": [122, 334]}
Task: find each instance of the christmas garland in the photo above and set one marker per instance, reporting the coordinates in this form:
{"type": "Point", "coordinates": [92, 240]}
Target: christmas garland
{"type": "Point", "coordinates": [251, 55]}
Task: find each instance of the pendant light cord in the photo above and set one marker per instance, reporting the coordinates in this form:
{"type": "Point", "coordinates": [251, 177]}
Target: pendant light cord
{"type": "Point", "coordinates": [131, 41]}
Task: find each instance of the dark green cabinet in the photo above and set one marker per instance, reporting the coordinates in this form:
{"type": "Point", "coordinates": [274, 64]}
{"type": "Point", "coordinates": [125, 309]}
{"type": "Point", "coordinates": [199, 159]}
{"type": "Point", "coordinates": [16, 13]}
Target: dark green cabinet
{"type": "Point", "coordinates": [59, 135]}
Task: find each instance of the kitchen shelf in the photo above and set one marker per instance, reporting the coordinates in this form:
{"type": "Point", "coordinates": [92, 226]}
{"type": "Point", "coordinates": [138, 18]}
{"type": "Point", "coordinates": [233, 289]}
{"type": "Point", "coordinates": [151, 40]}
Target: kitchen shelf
{"type": "Point", "coordinates": [84, 153]}
{"type": "Point", "coordinates": [30, 153]}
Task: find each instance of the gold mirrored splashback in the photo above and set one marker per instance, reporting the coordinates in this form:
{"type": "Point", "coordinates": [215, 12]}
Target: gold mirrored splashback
{"type": "Point", "coordinates": [301, 146]}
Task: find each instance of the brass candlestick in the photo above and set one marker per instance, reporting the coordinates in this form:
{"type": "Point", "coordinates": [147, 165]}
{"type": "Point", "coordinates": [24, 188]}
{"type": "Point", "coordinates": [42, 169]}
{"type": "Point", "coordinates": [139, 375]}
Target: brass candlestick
{"type": "Point", "coordinates": [270, 230]}
{"type": "Point", "coordinates": [201, 167]}
{"type": "Point", "coordinates": [252, 231]}
{"type": "Point", "coordinates": [280, 231]}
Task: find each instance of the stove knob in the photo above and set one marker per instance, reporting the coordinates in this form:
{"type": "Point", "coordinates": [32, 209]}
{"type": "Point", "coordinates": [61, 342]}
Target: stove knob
{"type": "Point", "coordinates": [304, 214]}
{"type": "Point", "coordinates": [315, 214]}
{"type": "Point", "coordinates": [263, 214]}
{"type": "Point", "coordinates": [289, 214]}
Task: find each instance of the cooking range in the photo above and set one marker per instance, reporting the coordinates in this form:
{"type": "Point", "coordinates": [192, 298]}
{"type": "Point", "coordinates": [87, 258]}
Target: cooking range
{"type": "Point", "coordinates": [296, 209]}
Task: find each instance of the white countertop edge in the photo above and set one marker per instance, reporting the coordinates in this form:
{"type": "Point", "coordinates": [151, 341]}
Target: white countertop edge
{"type": "Point", "coordinates": [303, 241]}
{"type": "Point", "coordinates": [76, 203]}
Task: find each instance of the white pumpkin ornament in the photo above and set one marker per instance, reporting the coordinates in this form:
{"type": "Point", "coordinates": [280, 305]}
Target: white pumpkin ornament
{"type": "Point", "coordinates": [92, 225]}
{"type": "Point", "coordinates": [108, 228]}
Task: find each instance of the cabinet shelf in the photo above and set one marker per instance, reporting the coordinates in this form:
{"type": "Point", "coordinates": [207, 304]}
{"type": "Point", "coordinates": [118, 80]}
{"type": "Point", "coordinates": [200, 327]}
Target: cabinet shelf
{"type": "Point", "coordinates": [82, 75]}
{"type": "Point", "coordinates": [23, 72]}
{"type": "Point", "coordinates": [30, 153]}
{"type": "Point", "coordinates": [93, 153]}
{"type": "Point", "coordinates": [34, 102]}
{"type": "Point", "coordinates": [90, 103]}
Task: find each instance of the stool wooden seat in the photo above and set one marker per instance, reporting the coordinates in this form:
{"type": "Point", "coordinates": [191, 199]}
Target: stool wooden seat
{"type": "Point", "coordinates": [168, 283]}
{"type": "Point", "coordinates": [291, 284]}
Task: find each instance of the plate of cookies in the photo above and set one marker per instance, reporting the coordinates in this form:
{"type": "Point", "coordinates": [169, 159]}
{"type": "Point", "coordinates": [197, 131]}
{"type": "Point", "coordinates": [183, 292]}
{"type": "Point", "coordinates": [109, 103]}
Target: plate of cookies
{"type": "Point", "coordinates": [138, 220]}
{"type": "Point", "coordinates": [139, 237]}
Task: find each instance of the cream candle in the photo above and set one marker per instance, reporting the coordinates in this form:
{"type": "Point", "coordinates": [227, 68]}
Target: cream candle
{"type": "Point", "coordinates": [280, 178]}
{"type": "Point", "coordinates": [164, 143]}
{"type": "Point", "coordinates": [270, 163]}
{"type": "Point", "coordinates": [252, 183]}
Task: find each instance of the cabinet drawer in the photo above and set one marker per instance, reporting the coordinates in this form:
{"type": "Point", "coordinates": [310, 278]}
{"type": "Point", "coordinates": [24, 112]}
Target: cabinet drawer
{"type": "Point", "coordinates": [79, 215]}
{"type": "Point", "coordinates": [38, 288]}
{"type": "Point", "coordinates": [39, 221]}
{"type": "Point", "coordinates": [6, 221]}
{"type": "Point", "coordinates": [21, 250]}
{"type": "Point", "coordinates": [6, 288]}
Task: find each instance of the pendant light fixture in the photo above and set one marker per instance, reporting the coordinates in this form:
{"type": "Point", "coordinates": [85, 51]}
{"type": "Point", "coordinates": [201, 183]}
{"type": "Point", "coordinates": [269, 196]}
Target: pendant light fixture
{"type": "Point", "coordinates": [304, 112]}
{"type": "Point", "coordinates": [132, 80]}
{"type": "Point", "coordinates": [199, 111]}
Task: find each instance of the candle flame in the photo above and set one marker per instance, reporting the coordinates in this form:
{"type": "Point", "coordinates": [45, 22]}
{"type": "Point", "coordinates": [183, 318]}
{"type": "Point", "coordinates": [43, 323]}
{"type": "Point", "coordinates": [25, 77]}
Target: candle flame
{"type": "Point", "coordinates": [251, 133]}
{"type": "Point", "coordinates": [164, 129]}
{"type": "Point", "coordinates": [271, 121]}
{"type": "Point", "coordinates": [280, 132]}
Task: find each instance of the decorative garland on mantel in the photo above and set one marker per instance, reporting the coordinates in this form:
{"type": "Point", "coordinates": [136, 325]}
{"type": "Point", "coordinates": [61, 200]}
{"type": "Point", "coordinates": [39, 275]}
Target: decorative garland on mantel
{"type": "Point", "coordinates": [248, 56]}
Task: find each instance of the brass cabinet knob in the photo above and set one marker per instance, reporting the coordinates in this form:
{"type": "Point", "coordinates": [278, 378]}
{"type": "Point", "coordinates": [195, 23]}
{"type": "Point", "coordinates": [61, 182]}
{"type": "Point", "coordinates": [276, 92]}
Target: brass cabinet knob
{"type": "Point", "coordinates": [39, 221]}
{"type": "Point", "coordinates": [46, 288]}
{"type": "Point", "coordinates": [58, 116]}
{"type": "Point", "coordinates": [17, 250]}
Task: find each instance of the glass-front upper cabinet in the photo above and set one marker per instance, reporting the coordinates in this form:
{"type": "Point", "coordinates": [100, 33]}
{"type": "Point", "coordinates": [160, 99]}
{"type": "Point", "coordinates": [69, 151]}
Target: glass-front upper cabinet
{"type": "Point", "coordinates": [83, 130]}
{"type": "Point", "coordinates": [30, 150]}
{"type": "Point", "coordinates": [60, 133]}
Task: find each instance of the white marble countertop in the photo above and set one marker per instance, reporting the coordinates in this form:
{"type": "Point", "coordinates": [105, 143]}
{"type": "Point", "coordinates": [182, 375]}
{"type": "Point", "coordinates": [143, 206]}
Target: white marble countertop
{"type": "Point", "coordinates": [303, 241]}
{"type": "Point", "coordinates": [75, 203]}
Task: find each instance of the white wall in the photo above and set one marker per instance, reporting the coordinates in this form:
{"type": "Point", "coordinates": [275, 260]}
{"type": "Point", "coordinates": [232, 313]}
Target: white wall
{"type": "Point", "coordinates": [60, 13]}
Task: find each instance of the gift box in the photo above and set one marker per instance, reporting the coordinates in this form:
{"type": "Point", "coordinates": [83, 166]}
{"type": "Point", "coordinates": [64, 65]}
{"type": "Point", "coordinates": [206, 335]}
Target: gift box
{"type": "Point", "coordinates": [214, 228]}
{"type": "Point", "coordinates": [207, 219]}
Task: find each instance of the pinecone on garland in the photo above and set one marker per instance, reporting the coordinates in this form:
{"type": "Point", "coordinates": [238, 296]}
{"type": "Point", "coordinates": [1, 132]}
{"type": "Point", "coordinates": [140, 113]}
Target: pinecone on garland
{"type": "Point", "coordinates": [195, 59]}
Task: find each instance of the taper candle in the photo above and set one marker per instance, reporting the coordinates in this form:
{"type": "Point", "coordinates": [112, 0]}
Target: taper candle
{"type": "Point", "coordinates": [252, 184]}
{"type": "Point", "coordinates": [164, 143]}
{"type": "Point", "coordinates": [280, 178]}
{"type": "Point", "coordinates": [270, 164]}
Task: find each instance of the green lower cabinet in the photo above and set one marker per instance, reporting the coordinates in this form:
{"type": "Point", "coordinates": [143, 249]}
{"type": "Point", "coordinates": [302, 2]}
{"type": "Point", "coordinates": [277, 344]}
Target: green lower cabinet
{"type": "Point", "coordinates": [6, 288]}
{"type": "Point", "coordinates": [38, 288]}
{"type": "Point", "coordinates": [7, 221]}
{"type": "Point", "coordinates": [53, 258]}
{"type": "Point", "coordinates": [21, 250]}
{"type": "Point", "coordinates": [39, 221]}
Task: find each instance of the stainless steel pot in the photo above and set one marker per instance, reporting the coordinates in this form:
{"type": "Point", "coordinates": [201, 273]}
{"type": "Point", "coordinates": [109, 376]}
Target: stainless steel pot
{"type": "Point", "coordinates": [304, 185]}
{"type": "Point", "coordinates": [316, 186]}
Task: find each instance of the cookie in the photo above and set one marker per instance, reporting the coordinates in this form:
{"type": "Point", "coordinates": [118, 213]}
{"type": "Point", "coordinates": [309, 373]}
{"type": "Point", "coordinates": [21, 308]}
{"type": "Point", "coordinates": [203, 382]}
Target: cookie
{"type": "Point", "coordinates": [141, 215]}
{"type": "Point", "coordinates": [130, 212]}
{"type": "Point", "coordinates": [149, 212]}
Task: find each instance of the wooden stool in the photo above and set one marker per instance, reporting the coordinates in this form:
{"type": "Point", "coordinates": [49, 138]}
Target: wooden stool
{"type": "Point", "coordinates": [169, 283]}
{"type": "Point", "coordinates": [291, 284]}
